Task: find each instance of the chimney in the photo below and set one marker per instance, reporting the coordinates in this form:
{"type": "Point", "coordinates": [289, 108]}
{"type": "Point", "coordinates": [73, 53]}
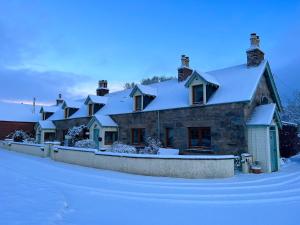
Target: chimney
{"type": "Point", "coordinates": [59, 101]}
{"type": "Point", "coordinates": [184, 71]}
{"type": "Point", "coordinates": [102, 88]}
{"type": "Point", "coordinates": [254, 55]}
{"type": "Point", "coordinates": [33, 104]}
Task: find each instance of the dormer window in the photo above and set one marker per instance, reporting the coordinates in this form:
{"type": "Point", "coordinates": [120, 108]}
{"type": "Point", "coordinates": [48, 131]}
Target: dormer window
{"type": "Point", "coordinates": [46, 115]}
{"type": "Point", "coordinates": [197, 92]}
{"type": "Point", "coordinates": [90, 109]}
{"type": "Point", "coordinates": [138, 103]}
{"type": "Point", "coordinates": [202, 87]}
{"type": "Point", "coordinates": [94, 103]}
{"type": "Point", "coordinates": [142, 96]}
{"type": "Point", "coordinates": [69, 112]}
{"type": "Point", "coordinates": [47, 111]}
{"type": "Point", "coordinates": [93, 108]}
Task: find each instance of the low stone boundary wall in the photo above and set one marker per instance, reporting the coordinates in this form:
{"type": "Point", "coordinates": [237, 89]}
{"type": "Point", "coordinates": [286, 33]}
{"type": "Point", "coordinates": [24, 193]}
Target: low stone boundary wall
{"type": "Point", "coordinates": [78, 156]}
{"type": "Point", "coordinates": [28, 148]}
{"type": "Point", "coordinates": [187, 166]}
{"type": "Point", "coordinates": [210, 166]}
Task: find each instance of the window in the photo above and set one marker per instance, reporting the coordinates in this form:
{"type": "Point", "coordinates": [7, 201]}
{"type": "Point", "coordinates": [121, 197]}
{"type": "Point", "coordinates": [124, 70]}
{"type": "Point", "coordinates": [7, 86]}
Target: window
{"type": "Point", "coordinates": [169, 137]}
{"type": "Point", "coordinates": [199, 137]}
{"type": "Point", "coordinates": [138, 103]}
{"type": "Point", "coordinates": [137, 136]}
{"type": "Point", "coordinates": [110, 137]}
{"type": "Point", "coordinates": [90, 109]}
{"type": "Point", "coordinates": [197, 94]}
{"type": "Point", "coordinates": [264, 100]}
{"type": "Point", "coordinates": [49, 136]}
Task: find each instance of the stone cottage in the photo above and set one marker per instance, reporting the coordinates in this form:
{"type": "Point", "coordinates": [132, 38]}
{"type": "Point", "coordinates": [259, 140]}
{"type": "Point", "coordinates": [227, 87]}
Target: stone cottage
{"type": "Point", "coordinates": [232, 110]}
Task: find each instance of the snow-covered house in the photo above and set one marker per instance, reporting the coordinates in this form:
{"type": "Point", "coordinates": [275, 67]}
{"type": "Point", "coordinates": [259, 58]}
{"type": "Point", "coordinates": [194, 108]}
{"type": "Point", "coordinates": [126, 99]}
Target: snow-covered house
{"type": "Point", "coordinates": [227, 111]}
{"type": "Point", "coordinates": [17, 116]}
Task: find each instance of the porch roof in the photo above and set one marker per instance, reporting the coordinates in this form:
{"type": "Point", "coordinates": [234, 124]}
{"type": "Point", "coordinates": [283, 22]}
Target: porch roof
{"type": "Point", "coordinates": [104, 121]}
{"type": "Point", "coordinates": [263, 115]}
{"type": "Point", "coordinates": [47, 125]}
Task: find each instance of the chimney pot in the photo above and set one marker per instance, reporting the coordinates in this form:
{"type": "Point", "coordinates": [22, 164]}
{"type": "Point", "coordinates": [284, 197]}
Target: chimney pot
{"type": "Point", "coordinates": [184, 71]}
{"type": "Point", "coordinates": [254, 55]}
{"type": "Point", "coordinates": [59, 100]}
{"type": "Point", "coordinates": [102, 88]}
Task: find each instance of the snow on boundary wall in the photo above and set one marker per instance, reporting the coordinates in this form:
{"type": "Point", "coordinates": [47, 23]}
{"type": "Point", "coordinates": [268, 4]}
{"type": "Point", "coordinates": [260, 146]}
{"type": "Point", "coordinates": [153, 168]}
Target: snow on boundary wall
{"type": "Point", "coordinates": [27, 148]}
{"type": "Point", "coordinates": [205, 166]}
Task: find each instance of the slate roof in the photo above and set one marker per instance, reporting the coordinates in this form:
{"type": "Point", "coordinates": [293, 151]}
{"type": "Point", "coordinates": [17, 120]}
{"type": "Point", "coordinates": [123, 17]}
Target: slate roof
{"type": "Point", "coordinates": [96, 99]}
{"type": "Point", "coordinates": [17, 112]}
{"type": "Point", "coordinates": [105, 121]}
{"type": "Point", "coordinates": [236, 84]}
{"type": "Point", "coordinates": [47, 124]}
{"type": "Point", "coordinates": [262, 115]}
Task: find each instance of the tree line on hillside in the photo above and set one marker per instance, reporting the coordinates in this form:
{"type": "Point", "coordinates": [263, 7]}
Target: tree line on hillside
{"type": "Point", "coordinates": [147, 81]}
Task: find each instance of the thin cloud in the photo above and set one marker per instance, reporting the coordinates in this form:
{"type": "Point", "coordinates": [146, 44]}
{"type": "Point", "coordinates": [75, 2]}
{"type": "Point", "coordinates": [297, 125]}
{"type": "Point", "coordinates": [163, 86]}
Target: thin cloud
{"type": "Point", "coordinates": [23, 85]}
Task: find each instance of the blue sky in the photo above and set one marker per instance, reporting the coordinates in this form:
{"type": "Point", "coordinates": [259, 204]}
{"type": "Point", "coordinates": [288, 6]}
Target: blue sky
{"type": "Point", "coordinates": [48, 47]}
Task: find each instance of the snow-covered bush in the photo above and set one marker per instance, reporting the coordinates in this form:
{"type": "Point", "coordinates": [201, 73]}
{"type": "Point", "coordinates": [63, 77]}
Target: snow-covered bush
{"type": "Point", "coordinates": [76, 133]}
{"type": "Point", "coordinates": [86, 143]}
{"type": "Point", "coordinates": [19, 136]}
{"type": "Point", "coordinates": [30, 141]}
{"type": "Point", "coordinates": [122, 148]}
{"type": "Point", "coordinates": [152, 146]}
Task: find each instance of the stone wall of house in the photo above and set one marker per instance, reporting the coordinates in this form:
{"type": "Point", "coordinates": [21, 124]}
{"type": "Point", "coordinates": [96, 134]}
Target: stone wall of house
{"type": "Point", "coordinates": [62, 126]}
{"type": "Point", "coordinates": [262, 90]}
{"type": "Point", "coordinates": [226, 121]}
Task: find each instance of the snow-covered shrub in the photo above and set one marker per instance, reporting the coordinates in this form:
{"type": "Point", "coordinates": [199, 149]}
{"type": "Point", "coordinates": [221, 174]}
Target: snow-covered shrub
{"type": "Point", "coordinates": [86, 143]}
{"type": "Point", "coordinates": [30, 141]}
{"type": "Point", "coordinates": [19, 136]}
{"type": "Point", "coordinates": [122, 148]}
{"type": "Point", "coordinates": [76, 133]}
{"type": "Point", "coordinates": [152, 146]}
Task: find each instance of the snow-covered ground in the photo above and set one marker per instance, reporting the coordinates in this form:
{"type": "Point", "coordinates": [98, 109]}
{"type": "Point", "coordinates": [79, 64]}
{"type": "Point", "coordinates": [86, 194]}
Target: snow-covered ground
{"type": "Point", "coordinates": [37, 191]}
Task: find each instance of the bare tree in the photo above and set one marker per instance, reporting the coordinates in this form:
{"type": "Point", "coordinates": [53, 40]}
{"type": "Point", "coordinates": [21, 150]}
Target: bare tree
{"type": "Point", "coordinates": [129, 85]}
{"type": "Point", "coordinates": [292, 109]}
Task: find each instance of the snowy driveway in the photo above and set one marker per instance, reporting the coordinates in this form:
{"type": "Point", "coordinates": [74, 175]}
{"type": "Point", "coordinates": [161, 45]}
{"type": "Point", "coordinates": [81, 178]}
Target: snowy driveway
{"type": "Point", "coordinates": [37, 191]}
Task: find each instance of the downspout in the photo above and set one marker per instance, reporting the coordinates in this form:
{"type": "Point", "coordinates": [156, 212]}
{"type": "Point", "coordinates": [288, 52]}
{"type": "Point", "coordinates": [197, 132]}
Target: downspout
{"type": "Point", "coordinates": [158, 125]}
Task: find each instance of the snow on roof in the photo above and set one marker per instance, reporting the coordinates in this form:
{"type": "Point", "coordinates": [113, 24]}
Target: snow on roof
{"type": "Point", "coordinates": [72, 104]}
{"type": "Point", "coordinates": [46, 124]}
{"type": "Point", "coordinates": [52, 109]}
{"type": "Point", "coordinates": [205, 76]}
{"type": "Point", "coordinates": [18, 112]}
{"type": "Point", "coordinates": [262, 115]}
{"type": "Point", "coordinates": [236, 84]}
{"type": "Point", "coordinates": [144, 89]}
{"type": "Point", "coordinates": [105, 121]}
{"type": "Point", "coordinates": [96, 99]}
